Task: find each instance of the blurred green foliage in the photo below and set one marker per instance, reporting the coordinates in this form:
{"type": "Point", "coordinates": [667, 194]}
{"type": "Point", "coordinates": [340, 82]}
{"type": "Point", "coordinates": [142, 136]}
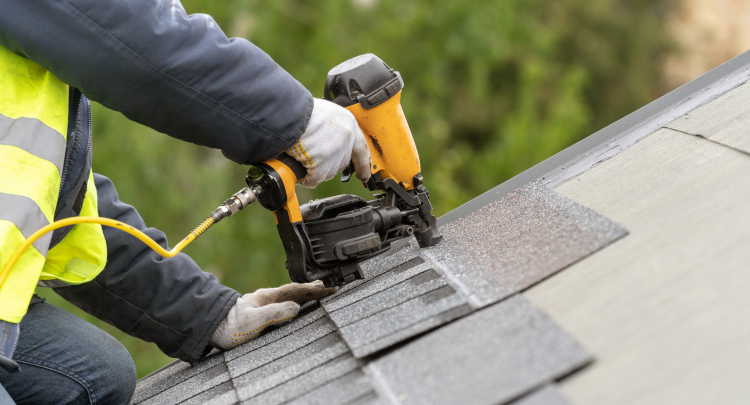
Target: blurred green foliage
{"type": "Point", "coordinates": [491, 88]}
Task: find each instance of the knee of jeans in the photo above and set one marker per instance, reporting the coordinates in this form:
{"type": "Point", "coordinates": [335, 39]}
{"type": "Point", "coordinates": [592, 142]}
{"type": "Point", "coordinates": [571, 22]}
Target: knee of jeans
{"type": "Point", "coordinates": [126, 377]}
{"type": "Point", "coordinates": [116, 376]}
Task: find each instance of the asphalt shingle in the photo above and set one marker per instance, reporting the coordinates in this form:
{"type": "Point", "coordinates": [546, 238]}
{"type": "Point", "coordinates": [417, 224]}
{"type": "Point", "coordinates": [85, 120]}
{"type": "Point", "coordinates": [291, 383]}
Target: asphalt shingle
{"type": "Point", "coordinates": [171, 375]}
{"type": "Point", "coordinates": [519, 240]}
{"type": "Point", "coordinates": [352, 388]}
{"type": "Point", "coordinates": [489, 357]}
{"type": "Point", "coordinates": [386, 279]}
{"type": "Point", "coordinates": [364, 335]}
{"type": "Point", "coordinates": [297, 388]}
{"type": "Point", "coordinates": [413, 330]}
{"type": "Point", "coordinates": [408, 296]}
{"type": "Point", "coordinates": [301, 361]}
{"type": "Point", "coordinates": [412, 287]}
{"type": "Point", "coordinates": [193, 386]}
{"type": "Point", "coordinates": [222, 394]}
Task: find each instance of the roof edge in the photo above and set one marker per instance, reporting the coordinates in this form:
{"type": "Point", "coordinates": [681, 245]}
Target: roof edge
{"type": "Point", "coordinates": [618, 136]}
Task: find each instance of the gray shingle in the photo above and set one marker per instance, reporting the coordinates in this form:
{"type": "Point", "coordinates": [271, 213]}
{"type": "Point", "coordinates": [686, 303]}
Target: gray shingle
{"type": "Point", "coordinates": [304, 383]}
{"type": "Point", "coordinates": [519, 240]}
{"type": "Point", "coordinates": [488, 357]}
{"type": "Point", "coordinates": [547, 395]}
{"type": "Point", "coordinates": [354, 387]}
{"type": "Point", "coordinates": [392, 306]}
{"type": "Point", "coordinates": [413, 330]}
{"type": "Point", "coordinates": [222, 394]}
{"type": "Point", "coordinates": [410, 288]}
{"type": "Point", "coordinates": [191, 387]}
{"type": "Point", "coordinates": [294, 364]}
{"type": "Point", "coordinates": [725, 120]}
{"type": "Point", "coordinates": [281, 347]}
{"type": "Point", "coordinates": [390, 275]}
{"type": "Point", "coordinates": [372, 329]}
{"type": "Point", "coordinates": [397, 256]}
{"type": "Point", "coordinates": [171, 375]}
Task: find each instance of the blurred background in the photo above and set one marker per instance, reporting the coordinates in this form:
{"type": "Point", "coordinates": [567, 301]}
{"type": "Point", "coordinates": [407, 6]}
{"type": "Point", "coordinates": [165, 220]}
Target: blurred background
{"type": "Point", "coordinates": [492, 87]}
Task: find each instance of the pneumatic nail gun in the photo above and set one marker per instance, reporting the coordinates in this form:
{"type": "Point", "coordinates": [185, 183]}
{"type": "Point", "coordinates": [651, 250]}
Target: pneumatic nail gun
{"type": "Point", "coordinates": [326, 239]}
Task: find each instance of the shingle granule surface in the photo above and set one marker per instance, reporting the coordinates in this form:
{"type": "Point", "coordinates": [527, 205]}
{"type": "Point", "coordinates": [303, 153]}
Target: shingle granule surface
{"type": "Point", "coordinates": [519, 240]}
{"type": "Point", "coordinates": [488, 357]}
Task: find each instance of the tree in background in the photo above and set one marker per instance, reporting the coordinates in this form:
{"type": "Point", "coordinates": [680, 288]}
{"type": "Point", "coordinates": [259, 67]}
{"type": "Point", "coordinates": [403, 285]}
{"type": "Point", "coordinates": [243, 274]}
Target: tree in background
{"type": "Point", "coordinates": [491, 88]}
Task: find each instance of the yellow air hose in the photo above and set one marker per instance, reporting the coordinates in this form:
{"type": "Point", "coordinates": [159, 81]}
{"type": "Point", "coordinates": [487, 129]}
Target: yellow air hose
{"type": "Point", "coordinates": [108, 222]}
{"type": "Point", "coordinates": [237, 202]}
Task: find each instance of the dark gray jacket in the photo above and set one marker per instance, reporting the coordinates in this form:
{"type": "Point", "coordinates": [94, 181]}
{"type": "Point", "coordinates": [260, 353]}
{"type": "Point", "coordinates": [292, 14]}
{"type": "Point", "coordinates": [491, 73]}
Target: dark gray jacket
{"type": "Point", "coordinates": [182, 76]}
{"type": "Point", "coordinates": [177, 74]}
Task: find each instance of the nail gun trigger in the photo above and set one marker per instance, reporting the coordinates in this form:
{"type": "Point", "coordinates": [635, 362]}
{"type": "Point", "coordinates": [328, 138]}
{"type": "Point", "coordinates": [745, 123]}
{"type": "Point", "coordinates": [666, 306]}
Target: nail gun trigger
{"type": "Point", "coordinates": [347, 173]}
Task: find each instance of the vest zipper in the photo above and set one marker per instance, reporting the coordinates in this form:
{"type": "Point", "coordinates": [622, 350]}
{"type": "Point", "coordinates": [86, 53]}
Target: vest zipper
{"type": "Point", "coordinates": [81, 168]}
{"type": "Point", "coordinates": [14, 346]}
{"type": "Point", "coordinates": [66, 168]}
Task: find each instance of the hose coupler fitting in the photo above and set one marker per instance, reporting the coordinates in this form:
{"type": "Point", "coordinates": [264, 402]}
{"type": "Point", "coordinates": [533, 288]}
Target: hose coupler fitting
{"type": "Point", "coordinates": [237, 202]}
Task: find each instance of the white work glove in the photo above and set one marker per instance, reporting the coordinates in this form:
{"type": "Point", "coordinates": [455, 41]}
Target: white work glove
{"type": "Point", "coordinates": [268, 306]}
{"type": "Point", "coordinates": [332, 139]}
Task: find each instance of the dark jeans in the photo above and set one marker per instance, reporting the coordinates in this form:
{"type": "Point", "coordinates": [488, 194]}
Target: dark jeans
{"type": "Point", "coordinates": [66, 360]}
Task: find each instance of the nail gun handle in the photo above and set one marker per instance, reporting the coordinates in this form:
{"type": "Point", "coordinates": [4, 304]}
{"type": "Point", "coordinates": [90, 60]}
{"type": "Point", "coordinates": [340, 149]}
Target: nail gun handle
{"type": "Point", "coordinates": [297, 168]}
{"type": "Point", "coordinates": [392, 148]}
{"type": "Point", "coordinates": [371, 91]}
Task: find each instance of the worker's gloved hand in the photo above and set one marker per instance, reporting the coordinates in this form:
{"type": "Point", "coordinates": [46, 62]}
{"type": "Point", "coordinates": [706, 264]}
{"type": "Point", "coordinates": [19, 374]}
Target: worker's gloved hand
{"type": "Point", "coordinates": [9, 333]}
{"type": "Point", "coordinates": [332, 139]}
{"type": "Point", "coordinates": [268, 306]}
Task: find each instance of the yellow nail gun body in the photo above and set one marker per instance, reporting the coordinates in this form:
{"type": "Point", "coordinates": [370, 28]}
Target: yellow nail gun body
{"type": "Point", "coordinates": [326, 239]}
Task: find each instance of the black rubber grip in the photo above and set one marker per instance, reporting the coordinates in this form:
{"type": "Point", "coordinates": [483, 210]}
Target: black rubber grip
{"type": "Point", "coordinates": [9, 365]}
{"type": "Point", "coordinates": [297, 168]}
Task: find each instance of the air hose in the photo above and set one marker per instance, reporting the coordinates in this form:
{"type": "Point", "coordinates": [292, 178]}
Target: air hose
{"type": "Point", "coordinates": [231, 206]}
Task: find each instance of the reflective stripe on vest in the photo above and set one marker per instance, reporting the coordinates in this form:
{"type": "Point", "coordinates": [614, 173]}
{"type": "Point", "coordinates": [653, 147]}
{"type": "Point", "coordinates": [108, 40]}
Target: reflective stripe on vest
{"type": "Point", "coordinates": [33, 128]}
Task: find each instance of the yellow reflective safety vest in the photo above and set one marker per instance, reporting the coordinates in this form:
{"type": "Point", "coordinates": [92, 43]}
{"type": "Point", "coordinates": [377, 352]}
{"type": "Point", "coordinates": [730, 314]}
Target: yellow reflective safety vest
{"type": "Point", "coordinates": [34, 115]}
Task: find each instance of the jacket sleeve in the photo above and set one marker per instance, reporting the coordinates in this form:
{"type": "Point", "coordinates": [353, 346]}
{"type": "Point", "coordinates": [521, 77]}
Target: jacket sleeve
{"type": "Point", "coordinates": [170, 302]}
{"type": "Point", "coordinates": [175, 73]}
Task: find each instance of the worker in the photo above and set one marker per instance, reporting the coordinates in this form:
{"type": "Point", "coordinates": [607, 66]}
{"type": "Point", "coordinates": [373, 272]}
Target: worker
{"type": "Point", "coordinates": [181, 76]}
